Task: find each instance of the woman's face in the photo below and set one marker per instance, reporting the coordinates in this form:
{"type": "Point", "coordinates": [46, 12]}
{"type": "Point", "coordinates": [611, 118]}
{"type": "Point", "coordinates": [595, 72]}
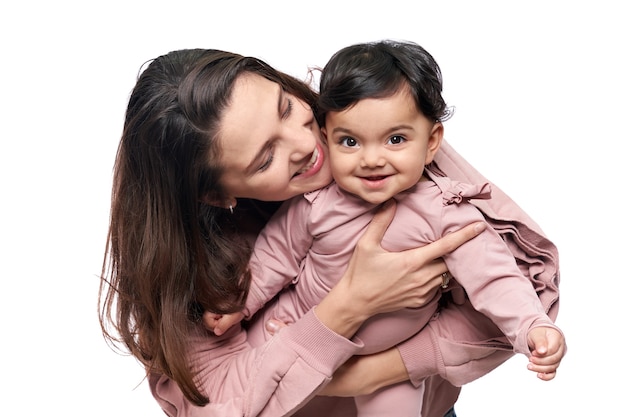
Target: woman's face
{"type": "Point", "coordinates": [271, 144]}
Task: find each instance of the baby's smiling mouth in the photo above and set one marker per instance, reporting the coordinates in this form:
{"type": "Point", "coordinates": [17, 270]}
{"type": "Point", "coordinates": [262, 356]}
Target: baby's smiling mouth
{"type": "Point", "coordinates": [374, 177]}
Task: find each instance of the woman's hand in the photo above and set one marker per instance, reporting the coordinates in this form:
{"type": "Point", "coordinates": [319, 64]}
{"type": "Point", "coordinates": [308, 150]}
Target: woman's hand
{"type": "Point", "coordinates": [378, 281]}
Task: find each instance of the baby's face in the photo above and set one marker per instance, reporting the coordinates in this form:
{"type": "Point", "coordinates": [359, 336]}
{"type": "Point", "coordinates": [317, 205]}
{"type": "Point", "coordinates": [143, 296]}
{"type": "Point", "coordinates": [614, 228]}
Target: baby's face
{"type": "Point", "coordinates": [379, 147]}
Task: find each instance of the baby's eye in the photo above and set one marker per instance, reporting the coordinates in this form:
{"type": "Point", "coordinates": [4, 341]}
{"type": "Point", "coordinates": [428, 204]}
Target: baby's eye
{"type": "Point", "coordinates": [348, 142]}
{"type": "Point", "coordinates": [396, 139]}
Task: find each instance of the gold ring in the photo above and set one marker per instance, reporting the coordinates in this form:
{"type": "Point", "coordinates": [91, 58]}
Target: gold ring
{"type": "Point", "coordinates": [445, 280]}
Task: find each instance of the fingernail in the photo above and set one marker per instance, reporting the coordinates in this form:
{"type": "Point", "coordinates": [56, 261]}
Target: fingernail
{"type": "Point", "coordinates": [271, 326]}
{"type": "Point", "coordinates": [480, 227]}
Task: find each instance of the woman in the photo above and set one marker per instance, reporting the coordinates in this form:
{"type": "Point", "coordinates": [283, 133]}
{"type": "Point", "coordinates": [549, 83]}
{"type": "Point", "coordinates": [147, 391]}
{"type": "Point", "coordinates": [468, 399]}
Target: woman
{"type": "Point", "coordinates": [186, 204]}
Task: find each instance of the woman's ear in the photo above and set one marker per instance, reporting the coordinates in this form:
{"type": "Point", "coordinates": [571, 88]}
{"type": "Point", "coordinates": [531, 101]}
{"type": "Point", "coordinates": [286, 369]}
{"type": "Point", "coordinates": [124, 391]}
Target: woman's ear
{"type": "Point", "coordinates": [434, 142]}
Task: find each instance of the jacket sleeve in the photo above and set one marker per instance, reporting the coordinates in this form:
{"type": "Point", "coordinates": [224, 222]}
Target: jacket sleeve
{"type": "Point", "coordinates": [278, 253]}
{"type": "Point", "coordinates": [273, 379]}
{"type": "Point", "coordinates": [461, 344]}
{"type": "Point", "coordinates": [536, 255]}
{"type": "Point", "coordinates": [495, 286]}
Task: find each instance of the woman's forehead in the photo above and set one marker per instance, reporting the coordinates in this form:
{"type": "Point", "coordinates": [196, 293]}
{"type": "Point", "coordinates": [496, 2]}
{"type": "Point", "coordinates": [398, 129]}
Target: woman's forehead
{"type": "Point", "coordinates": [249, 121]}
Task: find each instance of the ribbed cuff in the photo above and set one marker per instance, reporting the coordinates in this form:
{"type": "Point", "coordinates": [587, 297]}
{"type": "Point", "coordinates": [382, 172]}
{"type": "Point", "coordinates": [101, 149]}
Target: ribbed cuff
{"type": "Point", "coordinates": [320, 347]}
{"type": "Point", "coordinates": [421, 356]}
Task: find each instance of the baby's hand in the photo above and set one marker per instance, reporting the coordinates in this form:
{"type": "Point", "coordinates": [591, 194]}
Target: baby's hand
{"type": "Point", "coordinates": [547, 348]}
{"type": "Point", "coordinates": [219, 323]}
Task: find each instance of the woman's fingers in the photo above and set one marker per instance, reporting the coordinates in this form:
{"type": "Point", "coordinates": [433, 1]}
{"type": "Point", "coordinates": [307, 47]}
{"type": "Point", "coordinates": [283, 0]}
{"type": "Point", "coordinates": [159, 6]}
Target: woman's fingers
{"type": "Point", "coordinates": [378, 226]}
{"type": "Point", "coordinates": [381, 220]}
{"type": "Point", "coordinates": [448, 243]}
{"type": "Point", "coordinates": [411, 276]}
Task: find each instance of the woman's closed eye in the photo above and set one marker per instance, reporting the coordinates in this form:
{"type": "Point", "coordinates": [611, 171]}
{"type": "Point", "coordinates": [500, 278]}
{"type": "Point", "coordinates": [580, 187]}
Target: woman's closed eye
{"type": "Point", "coordinates": [269, 155]}
{"type": "Point", "coordinates": [288, 108]}
{"type": "Point", "coordinates": [268, 161]}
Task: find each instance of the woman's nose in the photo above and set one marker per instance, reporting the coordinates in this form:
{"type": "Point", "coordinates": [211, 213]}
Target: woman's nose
{"type": "Point", "coordinates": [303, 142]}
{"type": "Point", "coordinates": [302, 132]}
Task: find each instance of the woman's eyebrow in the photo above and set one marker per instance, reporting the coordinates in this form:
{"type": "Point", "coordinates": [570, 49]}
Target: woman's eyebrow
{"type": "Point", "coordinates": [281, 95]}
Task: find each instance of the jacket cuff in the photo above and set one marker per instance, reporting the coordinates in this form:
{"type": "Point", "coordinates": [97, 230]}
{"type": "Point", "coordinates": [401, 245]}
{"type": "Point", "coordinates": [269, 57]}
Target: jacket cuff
{"type": "Point", "coordinates": [319, 346]}
{"type": "Point", "coordinates": [421, 356]}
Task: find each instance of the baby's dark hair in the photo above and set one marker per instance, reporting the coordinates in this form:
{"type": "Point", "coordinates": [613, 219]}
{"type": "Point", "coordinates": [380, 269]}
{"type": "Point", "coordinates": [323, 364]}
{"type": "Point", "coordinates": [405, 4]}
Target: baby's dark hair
{"type": "Point", "coordinates": [378, 70]}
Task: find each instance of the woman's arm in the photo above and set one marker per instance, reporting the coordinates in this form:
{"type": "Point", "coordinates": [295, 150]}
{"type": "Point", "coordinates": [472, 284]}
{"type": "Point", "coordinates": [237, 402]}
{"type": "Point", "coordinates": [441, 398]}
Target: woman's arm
{"type": "Point", "coordinates": [459, 333]}
{"type": "Point", "coordinates": [267, 380]}
{"type": "Point", "coordinates": [364, 374]}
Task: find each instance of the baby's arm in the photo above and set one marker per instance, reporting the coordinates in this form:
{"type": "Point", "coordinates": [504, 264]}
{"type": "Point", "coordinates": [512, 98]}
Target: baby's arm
{"type": "Point", "coordinates": [278, 253]}
{"type": "Point", "coordinates": [547, 348]}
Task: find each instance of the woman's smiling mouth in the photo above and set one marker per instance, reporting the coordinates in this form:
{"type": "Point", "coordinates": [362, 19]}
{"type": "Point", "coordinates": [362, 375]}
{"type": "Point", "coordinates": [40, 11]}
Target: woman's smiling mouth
{"type": "Point", "coordinates": [313, 166]}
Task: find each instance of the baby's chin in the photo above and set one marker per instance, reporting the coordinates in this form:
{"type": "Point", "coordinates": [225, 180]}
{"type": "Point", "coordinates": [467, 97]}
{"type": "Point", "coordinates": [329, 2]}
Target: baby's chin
{"type": "Point", "coordinates": [376, 201]}
{"type": "Point", "coordinates": [372, 198]}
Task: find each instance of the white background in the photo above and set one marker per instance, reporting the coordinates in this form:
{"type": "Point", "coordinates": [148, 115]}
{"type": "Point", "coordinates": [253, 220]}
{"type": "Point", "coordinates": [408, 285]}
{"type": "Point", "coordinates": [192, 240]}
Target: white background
{"type": "Point", "coordinates": [539, 93]}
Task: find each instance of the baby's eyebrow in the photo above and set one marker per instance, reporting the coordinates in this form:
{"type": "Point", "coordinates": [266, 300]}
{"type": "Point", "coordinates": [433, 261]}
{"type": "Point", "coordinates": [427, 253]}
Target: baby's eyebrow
{"type": "Point", "coordinates": [340, 129]}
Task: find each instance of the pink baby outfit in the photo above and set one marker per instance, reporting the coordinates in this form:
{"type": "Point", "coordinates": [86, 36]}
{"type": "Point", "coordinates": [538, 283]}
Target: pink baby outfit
{"type": "Point", "coordinates": [459, 344]}
{"type": "Point", "coordinates": [311, 239]}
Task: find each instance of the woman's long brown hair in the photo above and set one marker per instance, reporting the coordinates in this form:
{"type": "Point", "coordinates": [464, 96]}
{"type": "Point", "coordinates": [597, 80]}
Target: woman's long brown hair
{"type": "Point", "coordinates": [169, 257]}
